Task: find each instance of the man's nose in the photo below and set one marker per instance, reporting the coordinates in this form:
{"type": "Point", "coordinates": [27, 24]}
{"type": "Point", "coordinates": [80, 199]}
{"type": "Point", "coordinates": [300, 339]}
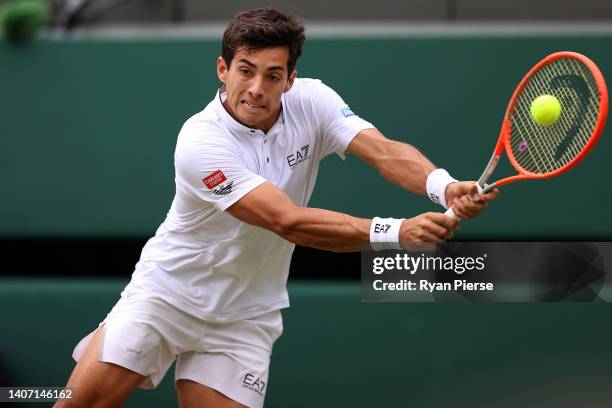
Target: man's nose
{"type": "Point", "coordinates": [256, 88]}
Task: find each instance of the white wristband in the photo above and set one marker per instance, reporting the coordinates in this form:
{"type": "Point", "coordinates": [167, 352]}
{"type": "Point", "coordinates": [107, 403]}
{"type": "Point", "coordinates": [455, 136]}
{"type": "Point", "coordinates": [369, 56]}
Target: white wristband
{"type": "Point", "coordinates": [384, 233]}
{"type": "Point", "coordinates": [437, 181]}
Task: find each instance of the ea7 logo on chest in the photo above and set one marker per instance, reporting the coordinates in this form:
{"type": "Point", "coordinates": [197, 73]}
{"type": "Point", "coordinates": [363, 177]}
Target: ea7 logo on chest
{"type": "Point", "coordinates": [299, 156]}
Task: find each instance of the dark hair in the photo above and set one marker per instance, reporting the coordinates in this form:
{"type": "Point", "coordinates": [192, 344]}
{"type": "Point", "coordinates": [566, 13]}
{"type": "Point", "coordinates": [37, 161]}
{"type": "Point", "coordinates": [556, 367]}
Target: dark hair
{"type": "Point", "coordinates": [262, 28]}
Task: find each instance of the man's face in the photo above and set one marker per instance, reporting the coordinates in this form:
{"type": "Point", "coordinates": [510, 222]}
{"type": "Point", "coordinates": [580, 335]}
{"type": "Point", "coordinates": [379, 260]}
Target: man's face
{"type": "Point", "coordinates": [255, 83]}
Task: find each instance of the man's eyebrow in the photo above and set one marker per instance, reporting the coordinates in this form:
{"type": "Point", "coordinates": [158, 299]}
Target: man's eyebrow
{"type": "Point", "coordinates": [250, 64]}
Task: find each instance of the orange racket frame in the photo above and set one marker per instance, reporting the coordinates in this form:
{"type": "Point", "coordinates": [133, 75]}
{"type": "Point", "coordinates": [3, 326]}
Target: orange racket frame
{"type": "Point", "coordinates": [504, 136]}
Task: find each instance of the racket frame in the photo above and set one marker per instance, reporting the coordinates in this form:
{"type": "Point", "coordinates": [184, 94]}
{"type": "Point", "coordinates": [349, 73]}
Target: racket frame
{"type": "Point", "coordinates": [504, 136]}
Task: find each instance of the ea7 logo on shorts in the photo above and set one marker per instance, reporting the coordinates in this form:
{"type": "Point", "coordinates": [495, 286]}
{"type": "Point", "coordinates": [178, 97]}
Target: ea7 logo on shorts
{"type": "Point", "coordinates": [214, 179]}
{"type": "Point", "coordinates": [299, 156]}
{"type": "Point", "coordinates": [254, 384]}
{"type": "Point", "coordinates": [381, 228]}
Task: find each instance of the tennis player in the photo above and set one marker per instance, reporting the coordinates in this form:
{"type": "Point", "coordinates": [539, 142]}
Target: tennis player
{"type": "Point", "coordinates": [209, 286]}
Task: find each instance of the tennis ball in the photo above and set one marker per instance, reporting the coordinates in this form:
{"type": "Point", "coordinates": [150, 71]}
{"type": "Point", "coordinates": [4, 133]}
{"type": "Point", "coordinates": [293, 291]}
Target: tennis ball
{"type": "Point", "coordinates": [545, 110]}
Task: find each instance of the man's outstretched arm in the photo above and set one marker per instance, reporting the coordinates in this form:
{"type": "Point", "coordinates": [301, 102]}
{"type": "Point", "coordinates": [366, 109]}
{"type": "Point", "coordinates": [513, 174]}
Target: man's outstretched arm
{"type": "Point", "coordinates": [406, 166]}
{"type": "Point", "coordinates": [268, 207]}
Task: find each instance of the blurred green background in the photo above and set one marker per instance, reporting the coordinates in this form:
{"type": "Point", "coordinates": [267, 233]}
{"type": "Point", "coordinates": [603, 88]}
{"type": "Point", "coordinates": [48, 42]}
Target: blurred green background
{"type": "Point", "coordinates": [338, 352]}
{"type": "Point", "coordinates": [89, 129]}
{"type": "Point", "coordinates": [87, 139]}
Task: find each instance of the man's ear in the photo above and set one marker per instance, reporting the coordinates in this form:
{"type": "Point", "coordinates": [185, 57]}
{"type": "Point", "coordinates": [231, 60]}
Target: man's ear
{"type": "Point", "coordinates": [222, 69]}
{"type": "Point", "coordinates": [290, 80]}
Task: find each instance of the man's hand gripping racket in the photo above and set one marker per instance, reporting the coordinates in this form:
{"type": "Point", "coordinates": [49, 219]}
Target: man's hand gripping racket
{"type": "Point", "coordinates": [554, 118]}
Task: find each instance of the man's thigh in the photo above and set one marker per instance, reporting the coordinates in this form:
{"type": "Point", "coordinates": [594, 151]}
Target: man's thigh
{"type": "Point", "coordinates": [235, 360]}
{"type": "Point", "coordinates": [98, 384]}
{"type": "Point", "coordinates": [193, 395]}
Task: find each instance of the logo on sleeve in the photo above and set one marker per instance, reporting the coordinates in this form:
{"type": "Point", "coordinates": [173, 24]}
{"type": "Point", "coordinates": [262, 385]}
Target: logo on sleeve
{"type": "Point", "coordinates": [346, 112]}
{"type": "Point", "coordinates": [224, 190]}
{"type": "Point", "coordinates": [214, 179]}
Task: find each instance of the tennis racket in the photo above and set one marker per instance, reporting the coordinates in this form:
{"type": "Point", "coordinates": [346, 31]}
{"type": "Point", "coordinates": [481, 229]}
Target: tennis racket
{"type": "Point", "coordinates": [542, 151]}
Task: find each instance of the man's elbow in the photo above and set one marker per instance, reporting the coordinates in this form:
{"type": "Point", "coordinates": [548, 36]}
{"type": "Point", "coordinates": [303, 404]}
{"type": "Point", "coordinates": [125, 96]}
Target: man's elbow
{"type": "Point", "coordinates": [286, 225]}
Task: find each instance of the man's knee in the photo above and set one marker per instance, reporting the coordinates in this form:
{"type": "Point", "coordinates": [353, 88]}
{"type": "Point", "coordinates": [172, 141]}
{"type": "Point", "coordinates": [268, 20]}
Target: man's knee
{"type": "Point", "coordinates": [102, 385]}
{"type": "Point", "coordinates": [98, 384]}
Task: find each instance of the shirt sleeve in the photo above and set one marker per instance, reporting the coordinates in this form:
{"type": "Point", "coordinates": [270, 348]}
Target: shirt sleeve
{"type": "Point", "coordinates": [340, 124]}
{"type": "Point", "coordinates": [214, 172]}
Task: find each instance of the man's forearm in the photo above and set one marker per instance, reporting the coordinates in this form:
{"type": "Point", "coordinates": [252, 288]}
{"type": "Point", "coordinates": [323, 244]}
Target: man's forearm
{"type": "Point", "coordinates": [405, 166]}
{"type": "Point", "coordinates": [323, 229]}
{"type": "Point", "coordinates": [398, 162]}
{"type": "Point", "coordinates": [268, 207]}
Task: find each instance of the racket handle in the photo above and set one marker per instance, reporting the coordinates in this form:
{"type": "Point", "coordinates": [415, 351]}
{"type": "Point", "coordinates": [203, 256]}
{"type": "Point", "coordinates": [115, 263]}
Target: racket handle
{"type": "Point", "coordinates": [451, 213]}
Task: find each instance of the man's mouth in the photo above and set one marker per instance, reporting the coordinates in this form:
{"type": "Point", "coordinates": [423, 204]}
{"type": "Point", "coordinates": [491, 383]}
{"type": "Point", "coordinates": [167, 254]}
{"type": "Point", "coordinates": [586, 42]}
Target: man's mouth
{"type": "Point", "coordinates": [252, 105]}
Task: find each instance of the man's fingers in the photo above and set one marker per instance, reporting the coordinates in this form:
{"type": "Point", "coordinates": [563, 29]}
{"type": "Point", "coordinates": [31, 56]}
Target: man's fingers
{"type": "Point", "coordinates": [478, 198]}
{"type": "Point", "coordinates": [460, 213]}
{"type": "Point", "coordinates": [465, 187]}
{"type": "Point", "coordinates": [445, 221]}
{"type": "Point", "coordinates": [485, 198]}
{"type": "Point", "coordinates": [428, 237]}
{"type": "Point", "coordinates": [491, 195]}
{"type": "Point", "coordinates": [427, 229]}
{"type": "Point", "coordinates": [439, 232]}
{"type": "Point", "coordinates": [469, 203]}
{"type": "Point", "coordinates": [473, 188]}
{"type": "Point", "coordinates": [466, 207]}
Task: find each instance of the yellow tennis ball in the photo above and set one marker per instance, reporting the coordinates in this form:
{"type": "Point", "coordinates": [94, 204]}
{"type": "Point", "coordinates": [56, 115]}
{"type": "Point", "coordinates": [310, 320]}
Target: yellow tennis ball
{"type": "Point", "coordinates": [545, 110]}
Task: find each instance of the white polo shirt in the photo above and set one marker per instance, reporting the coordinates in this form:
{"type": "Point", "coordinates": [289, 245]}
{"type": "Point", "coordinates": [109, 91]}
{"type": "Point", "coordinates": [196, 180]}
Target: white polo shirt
{"type": "Point", "coordinates": [203, 260]}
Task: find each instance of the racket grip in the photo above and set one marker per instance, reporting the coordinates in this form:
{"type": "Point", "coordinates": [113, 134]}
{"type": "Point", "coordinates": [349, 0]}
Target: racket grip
{"type": "Point", "coordinates": [451, 213]}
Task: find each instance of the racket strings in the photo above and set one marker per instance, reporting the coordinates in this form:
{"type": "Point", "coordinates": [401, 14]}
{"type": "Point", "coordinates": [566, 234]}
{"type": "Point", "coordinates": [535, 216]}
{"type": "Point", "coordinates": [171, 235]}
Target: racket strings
{"type": "Point", "coordinates": [546, 138]}
{"type": "Point", "coordinates": [543, 149]}
{"type": "Point", "coordinates": [567, 96]}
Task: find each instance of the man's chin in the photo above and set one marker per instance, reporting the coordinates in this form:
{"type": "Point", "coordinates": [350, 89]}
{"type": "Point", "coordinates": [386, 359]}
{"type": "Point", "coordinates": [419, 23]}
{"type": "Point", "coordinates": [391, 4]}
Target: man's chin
{"type": "Point", "coordinates": [250, 122]}
{"type": "Point", "coordinates": [251, 119]}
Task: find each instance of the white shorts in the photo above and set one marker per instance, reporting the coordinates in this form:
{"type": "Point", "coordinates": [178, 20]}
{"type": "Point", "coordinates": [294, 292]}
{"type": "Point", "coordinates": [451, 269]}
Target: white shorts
{"type": "Point", "coordinates": [145, 334]}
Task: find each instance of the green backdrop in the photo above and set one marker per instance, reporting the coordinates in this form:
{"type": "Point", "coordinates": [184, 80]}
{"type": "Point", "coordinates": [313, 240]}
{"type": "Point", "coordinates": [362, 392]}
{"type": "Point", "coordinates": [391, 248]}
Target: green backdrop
{"type": "Point", "coordinates": [87, 134]}
{"type": "Point", "coordinates": [339, 352]}
{"type": "Point", "coordinates": [89, 126]}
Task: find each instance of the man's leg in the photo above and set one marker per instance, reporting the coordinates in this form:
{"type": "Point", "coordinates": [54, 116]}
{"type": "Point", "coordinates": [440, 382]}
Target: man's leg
{"type": "Point", "coordinates": [98, 384]}
{"type": "Point", "coordinates": [232, 370]}
{"type": "Point", "coordinates": [194, 395]}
